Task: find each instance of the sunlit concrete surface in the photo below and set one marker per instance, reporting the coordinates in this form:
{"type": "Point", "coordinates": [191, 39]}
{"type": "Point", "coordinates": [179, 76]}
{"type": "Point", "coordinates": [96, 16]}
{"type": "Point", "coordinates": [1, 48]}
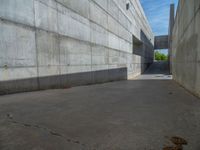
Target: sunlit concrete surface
{"type": "Point", "coordinates": [46, 44]}
{"type": "Point", "coordinates": [124, 115]}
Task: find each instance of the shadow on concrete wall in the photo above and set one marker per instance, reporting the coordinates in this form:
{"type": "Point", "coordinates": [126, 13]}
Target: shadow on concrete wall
{"type": "Point", "coordinates": [62, 81]}
{"type": "Point", "coordinates": [146, 52]}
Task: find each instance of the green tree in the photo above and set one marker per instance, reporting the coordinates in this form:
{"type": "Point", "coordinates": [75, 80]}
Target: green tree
{"type": "Point", "coordinates": [160, 56]}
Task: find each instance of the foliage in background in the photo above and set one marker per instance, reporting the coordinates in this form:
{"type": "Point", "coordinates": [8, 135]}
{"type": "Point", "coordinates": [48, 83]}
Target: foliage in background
{"type": "Point", "coordinates": [160, 56]}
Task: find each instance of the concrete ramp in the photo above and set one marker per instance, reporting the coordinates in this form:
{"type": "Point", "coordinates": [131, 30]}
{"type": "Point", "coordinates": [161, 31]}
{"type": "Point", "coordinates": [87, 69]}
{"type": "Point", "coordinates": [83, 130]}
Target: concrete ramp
{"type": "Point", "coordinates": [159, 70]}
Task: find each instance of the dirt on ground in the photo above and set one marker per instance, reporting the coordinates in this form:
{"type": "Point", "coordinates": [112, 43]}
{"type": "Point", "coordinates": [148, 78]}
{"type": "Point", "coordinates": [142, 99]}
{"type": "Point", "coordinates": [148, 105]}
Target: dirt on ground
{"type": "Point", "coordinates": [178, 143]}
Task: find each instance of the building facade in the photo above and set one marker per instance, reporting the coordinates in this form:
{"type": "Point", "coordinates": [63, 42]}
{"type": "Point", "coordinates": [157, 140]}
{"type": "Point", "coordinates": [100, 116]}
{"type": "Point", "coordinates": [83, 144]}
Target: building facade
{"type": "Point", "coordinates": [63, 43]}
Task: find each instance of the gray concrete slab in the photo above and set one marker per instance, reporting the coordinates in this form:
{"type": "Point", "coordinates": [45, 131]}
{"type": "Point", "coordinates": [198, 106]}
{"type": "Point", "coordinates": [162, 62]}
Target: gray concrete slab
{"type": "Point", "coordinates": [124, 115]}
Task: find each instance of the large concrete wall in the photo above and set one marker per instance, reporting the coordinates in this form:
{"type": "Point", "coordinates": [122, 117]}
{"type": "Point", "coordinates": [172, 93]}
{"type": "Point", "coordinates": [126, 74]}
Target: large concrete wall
{"type": "Point", "coordinates": [62, 43]}
{"type": "Point", "coordinates": [186, 45]}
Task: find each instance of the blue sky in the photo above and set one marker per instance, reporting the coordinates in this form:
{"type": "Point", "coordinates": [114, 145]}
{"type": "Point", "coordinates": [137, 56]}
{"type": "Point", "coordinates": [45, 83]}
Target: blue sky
{"type": "Point", "coordinates": [157, 12]}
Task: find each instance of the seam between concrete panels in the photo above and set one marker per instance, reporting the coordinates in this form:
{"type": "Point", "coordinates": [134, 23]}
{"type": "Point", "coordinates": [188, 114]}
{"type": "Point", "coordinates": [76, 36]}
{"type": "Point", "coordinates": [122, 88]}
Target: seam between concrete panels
{"type": "Point", "coordinates": [107, 12]}
{"type": "Point", "coordinates": [148, 28]}
{"type": "Point", "coordinates": [40, 66]}
{"type": "Point", "coordinates": [107, 49]}
{"type": "Point", "coordinates": [36, 45]}
{"type": "Point", "coordinates": [107, 28]}
{"type": "Point", "coordinates": [47, 5]}
{"type": "Point", "coordinates": [11, 22]}
{"type": "Point", "coordinates": [112, 31]}
{"type": "Point", "coordinates": [93, 21]}
{"type": "Point", "coordinates": [144, 16]}
{"type": "Point", "coordinates": [120, 9]}
{"type": "Point", "coordinates": [75, 38]}
{"type": "Point", "coordinates": [128, 18]}
{"type": "Point", "coordinates": [31, 66]}
{"type": "Point", "coordinates": [176, 14]}
{"type": "Point", "coordinates": [95, 44]}
{"type": "Point", "coordinates": [33, 28]}
{"type": "Point", "coordinates": [91, 57]}
{"type": "Point", "coordinates": [58, 41]}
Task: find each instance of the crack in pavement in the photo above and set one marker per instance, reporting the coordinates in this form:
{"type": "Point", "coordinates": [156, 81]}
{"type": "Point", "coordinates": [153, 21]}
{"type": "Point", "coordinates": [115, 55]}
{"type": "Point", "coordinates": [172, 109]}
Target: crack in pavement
{"type": "Point", "coordinates": [49, 131]}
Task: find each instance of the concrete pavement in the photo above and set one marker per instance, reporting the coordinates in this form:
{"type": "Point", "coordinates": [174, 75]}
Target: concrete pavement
{"type": "Point", "coordinates": [124, 115]}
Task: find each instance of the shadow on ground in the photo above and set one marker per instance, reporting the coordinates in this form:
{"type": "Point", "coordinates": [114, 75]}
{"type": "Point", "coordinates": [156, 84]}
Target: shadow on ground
{"type": "Point", "coordinates": [159, 70]}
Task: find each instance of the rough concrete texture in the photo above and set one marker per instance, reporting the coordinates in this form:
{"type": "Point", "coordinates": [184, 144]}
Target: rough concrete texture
{"type": "Point", "coordinates": [42, 38]}
{"type": "Point", "coordinates": [124, 115]}
{"type": "Point", "coordinates": [186, 46]}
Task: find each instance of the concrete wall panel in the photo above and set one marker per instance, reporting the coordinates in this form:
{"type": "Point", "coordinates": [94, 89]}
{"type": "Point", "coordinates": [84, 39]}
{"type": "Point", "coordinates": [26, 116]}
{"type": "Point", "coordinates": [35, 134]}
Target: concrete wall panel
{"type": "Point", "coordinates": [79, 6]}
{"type": "Point", "coordinates": [47, 48]}
{"type": "Point", "coordinates": [17, 46]}
{"type": "Point", "coordinates": [103, 4]}
{"type": "Point", "coordinates": [79, 68]}
{"type": "Point", "coordinates": [18, 52]}
{"type": "Point", "coordinates": [99, 35]}
{"type": "Point", "coordinates": [99, 56]}
{"type": "Point", "coordinates": [113, 41]}
{"type": "Point", "coordinates": [113, 9]}
{"type": "Point", "coordinates": [48, 53]}
{"type": "Point", "coordinates": [98, 15]}
{"type": "Point", "coordinates": [8, 74]}
{"type": "Point", "coordinates": [75, 56]}
{"type": "Point", "coordinates": [72, 25]}
{"type": "Point", "coordinates": [45, 14]}
{"type": "Point", "coordinates": [21, 11]}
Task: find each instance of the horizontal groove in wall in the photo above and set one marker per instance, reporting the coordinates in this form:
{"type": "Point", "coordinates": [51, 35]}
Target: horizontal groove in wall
{"type": "Point", "coordinates": [62, 36]}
